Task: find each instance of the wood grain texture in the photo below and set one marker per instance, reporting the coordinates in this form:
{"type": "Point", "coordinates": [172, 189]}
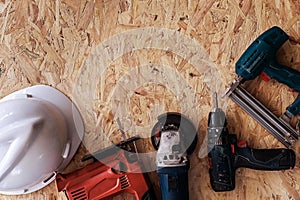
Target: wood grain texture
{"type": "Point", "coordinates": [136, 59]}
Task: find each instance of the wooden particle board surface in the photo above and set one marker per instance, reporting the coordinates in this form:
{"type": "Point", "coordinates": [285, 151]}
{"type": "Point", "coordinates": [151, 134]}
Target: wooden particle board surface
{"type": "Point", "coordinates": [136, 59]}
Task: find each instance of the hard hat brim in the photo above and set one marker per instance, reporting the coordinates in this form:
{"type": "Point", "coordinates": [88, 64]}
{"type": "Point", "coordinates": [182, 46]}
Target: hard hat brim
{"type": "Point", "coordinates": [73, 119]}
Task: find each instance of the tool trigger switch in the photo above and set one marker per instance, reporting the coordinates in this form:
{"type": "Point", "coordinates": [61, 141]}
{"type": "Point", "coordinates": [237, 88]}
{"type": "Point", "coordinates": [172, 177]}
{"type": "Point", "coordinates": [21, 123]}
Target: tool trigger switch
{"type": "Point", "coordinates": [210, 162]}
{"type": "Point", "coordinates": [242, 144]}
{"type": "Point", "coordinates": [264, 76]}
{"type": "Point", "coordinates": [292, 90]}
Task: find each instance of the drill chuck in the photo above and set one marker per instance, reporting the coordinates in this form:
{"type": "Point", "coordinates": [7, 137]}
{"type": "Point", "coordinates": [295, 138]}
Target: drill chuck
{"type": "Point", "coordinates": [216, 125]}
{"type": "Point", "coordinates": [216, 118]}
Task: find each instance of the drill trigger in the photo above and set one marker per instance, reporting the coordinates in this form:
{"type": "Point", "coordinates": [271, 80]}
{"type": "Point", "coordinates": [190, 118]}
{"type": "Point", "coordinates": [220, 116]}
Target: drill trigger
{"type": "Point", "coordinates": [264, 76]}
{"type": "Point", "coordinates": [210, 162]}
{"type": "Point", "coordinates": [242, 144]}
{"type": "Point", "coordinates": [232, 148]}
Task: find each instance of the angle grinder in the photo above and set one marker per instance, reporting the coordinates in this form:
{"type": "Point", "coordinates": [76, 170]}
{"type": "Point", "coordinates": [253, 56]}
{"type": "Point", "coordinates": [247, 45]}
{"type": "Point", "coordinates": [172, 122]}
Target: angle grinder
{"type": "Point", "coordinates": [174, 137]}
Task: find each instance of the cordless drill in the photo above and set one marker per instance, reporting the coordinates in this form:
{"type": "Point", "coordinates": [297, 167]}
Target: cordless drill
{"type": "Point", "coordinates": [114, 170]}
{"type": "Point", "coordinates": [174, 137]}
{"type": "Point", "coordinates": [226, 154]}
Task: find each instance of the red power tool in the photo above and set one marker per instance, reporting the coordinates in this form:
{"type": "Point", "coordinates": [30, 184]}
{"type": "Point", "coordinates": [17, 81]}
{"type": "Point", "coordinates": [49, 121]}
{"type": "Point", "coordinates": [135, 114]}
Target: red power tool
{"type": "Point", "coordinates": [118, 172]}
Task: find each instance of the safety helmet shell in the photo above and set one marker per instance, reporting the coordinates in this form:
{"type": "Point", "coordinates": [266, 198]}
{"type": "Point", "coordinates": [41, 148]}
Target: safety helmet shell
{"type": "Point", "coordinates": [40, 131]}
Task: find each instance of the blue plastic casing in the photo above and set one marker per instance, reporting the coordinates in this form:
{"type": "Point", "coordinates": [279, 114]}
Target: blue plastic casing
{"type": "Point", "coordinates": [261, 57]}
{"type": "Point", "coordinates": [174, 182]}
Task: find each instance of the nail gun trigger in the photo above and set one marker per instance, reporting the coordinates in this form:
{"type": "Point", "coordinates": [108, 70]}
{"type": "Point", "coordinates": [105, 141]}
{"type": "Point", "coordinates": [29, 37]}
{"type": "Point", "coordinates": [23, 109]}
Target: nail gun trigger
{"type": "Point", "coordinates": [264, 76]}
{"type": "Point", "coordinates": [292, 90]}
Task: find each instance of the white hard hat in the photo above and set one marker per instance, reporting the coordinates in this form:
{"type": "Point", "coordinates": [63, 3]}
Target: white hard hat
{"type": "Point", "coordinates": [40, 131]}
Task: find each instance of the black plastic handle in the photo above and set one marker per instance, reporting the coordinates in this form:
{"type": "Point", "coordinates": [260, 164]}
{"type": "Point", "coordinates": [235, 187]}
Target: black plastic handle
{"type": "Point", "coordinates": [289, 77]}
{"type": "Point", "coordinates": [149, 195]}
{"type": "Point", "coordinates": [221, 171]}
{"type": "Point", "coordinates": [265, 159]}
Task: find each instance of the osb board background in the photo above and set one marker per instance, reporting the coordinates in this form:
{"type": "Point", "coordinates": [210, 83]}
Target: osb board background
{"type": "Point", "coordinates": [58, 43]}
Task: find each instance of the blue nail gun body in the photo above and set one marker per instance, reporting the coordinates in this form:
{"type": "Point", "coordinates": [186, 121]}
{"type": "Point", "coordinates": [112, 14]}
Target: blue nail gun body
{"type": "Point", "coordinates": [259, 59]}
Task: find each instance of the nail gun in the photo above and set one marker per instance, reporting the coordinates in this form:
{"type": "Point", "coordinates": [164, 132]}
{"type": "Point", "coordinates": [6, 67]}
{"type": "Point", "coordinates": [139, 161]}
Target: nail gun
{"type": "Point", "coordinates": [174, 137]}
{"type": "Point", "coordinates": [226, 154]}
{"type": "Point", "coordinates": [118, 172]}
{"type": "Point", "coordinates": [260, 59]}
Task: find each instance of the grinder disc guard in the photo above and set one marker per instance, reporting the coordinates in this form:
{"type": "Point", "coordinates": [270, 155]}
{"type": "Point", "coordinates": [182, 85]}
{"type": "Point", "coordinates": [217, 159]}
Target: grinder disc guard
{"type": "Point", "coordinates": [175, 121]}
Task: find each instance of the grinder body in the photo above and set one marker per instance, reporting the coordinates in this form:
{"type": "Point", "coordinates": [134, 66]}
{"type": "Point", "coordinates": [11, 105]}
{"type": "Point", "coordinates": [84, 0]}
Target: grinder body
{"type": "Point", "coordinates": [174, 136]}
{"type": "Point", "coordinates": [174, 182]}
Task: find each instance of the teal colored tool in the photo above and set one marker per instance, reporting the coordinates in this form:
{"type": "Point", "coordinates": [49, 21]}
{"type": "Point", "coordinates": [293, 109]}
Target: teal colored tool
{"type": "Point", "coordinates": [259, 59]}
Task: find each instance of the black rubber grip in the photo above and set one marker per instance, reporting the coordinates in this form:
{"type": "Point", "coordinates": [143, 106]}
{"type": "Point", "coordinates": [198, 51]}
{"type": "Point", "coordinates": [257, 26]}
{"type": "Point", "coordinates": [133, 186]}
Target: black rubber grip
{"type": "Point", "coordinates": [265, 159]}
{"type": "Point", "coordinates": [149, 195]}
